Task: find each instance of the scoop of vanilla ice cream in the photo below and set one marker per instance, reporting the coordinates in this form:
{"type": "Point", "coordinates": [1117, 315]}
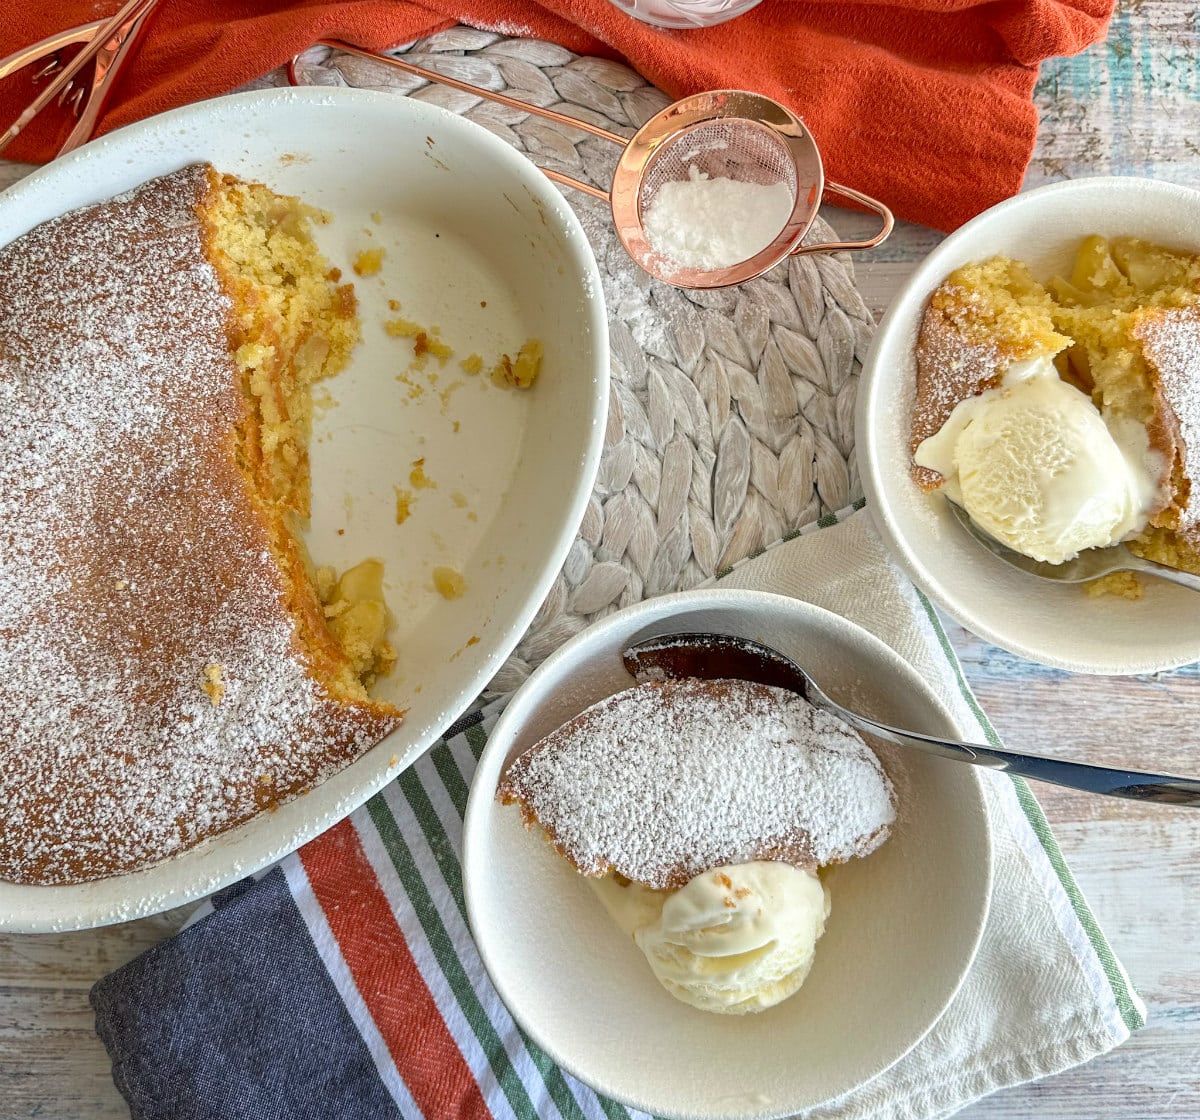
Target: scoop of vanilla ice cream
{"type": "Point", "coordinates": [734, 939]}
{"type": "Point", "coordinates": [1036, 466]}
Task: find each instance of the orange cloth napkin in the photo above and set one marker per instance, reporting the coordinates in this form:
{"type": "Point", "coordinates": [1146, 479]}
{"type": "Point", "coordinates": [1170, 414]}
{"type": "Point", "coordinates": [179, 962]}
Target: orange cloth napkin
{"type": "Point", "coordinates": [924, 104]}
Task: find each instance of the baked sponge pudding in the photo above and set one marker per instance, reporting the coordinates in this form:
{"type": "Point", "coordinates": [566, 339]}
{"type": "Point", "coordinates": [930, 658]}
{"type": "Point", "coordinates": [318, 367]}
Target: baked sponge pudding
{"type": "Point", "coordinates": [1065, 415]}
{"type": "Point", "coordinates": [169, 665]}
{"type": "Point", "coordinates": [700, 812]}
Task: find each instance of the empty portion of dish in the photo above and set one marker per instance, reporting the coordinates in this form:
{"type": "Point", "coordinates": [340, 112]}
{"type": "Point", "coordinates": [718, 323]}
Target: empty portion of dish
{"type": "Point", "coordinates": [169, 668]}
{"type": "Point", "coordinates": [1063, 416]}
{"type": "Point", "coordinates": [686, 800]}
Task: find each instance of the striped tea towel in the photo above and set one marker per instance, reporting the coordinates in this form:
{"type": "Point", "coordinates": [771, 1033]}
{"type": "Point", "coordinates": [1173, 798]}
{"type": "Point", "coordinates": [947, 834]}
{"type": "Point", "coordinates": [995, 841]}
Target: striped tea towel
{"type": "Point", "coordinates": [344, 982]}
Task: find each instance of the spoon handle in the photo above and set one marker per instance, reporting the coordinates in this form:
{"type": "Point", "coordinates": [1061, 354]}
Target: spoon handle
{"type": "Point", "coordinates": [1134, 784]}
{"type": "Point", "coordinates": [711, 656]}
{"type": "Point", "coordinates": [1162, 571]}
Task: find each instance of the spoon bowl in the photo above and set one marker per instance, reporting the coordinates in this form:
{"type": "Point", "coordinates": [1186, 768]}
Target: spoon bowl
{"type": "Point", "coordinates": [716, 656]}
{"type": "Point", "coordinates": [1091, 563]}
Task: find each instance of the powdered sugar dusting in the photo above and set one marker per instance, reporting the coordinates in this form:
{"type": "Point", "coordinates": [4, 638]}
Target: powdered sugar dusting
{"type": "Point", "coordinates": [629, 292]}
{"type": "Point", "coordinates": [1171, 343]}
{"type": "Point", "coordinates": [950, 368]}
{"type": "Point", "coordinates": [712, 223]}
{"type": "Point", "coordinates": [667, 780]}
{"type": "Point", "coordinates": [132, 568]}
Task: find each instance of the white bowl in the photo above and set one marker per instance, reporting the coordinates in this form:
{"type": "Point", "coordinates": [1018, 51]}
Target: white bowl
{"type": "Point", "coordinates": [1056, 624]}
{"type": "Point", "coordinates": [904, 927]}
{"type": "Point", "coordinates": [463, 219]}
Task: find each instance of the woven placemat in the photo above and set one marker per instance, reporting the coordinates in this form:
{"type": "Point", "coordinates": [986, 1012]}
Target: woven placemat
{"type": "Point", "coordinates": [731, 412]}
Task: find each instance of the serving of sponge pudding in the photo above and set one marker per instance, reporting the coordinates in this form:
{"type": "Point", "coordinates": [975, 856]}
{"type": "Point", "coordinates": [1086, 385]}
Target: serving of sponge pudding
{"type": "Point", "coordinates": [700, 812]}
{"type": "Point", "coordinates": [1066, 415]}
{"type": "Point", "coordinates": [170, 667]}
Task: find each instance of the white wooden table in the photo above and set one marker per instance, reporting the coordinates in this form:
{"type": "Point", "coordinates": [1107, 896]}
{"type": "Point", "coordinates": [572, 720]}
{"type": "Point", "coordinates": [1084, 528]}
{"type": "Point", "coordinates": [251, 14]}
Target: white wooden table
{"type": "Point", "coordinates": [1131, 106]}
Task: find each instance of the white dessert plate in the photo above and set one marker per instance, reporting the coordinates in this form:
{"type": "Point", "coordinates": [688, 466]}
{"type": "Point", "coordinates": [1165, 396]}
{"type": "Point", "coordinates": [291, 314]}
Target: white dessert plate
{"type": "Point", "coordinates": [477, 243]}
{"type": "Point", "coordinates": [1057, 624]}
{"type": "Point", "coordinates": [904, 927]}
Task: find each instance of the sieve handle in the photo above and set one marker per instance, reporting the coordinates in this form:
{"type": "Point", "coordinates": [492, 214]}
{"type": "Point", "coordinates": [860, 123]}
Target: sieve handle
{"type": "Point", "coordinates": [870, 243]}
{"type": "Point", "coordinates": [477, 91]}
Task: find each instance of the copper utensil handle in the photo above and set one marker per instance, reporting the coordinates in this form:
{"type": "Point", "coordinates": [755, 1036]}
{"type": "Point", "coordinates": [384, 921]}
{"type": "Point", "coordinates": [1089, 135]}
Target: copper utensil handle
{"type": "Point", "coordinates": [109, 60]}
{"type": "Point", "coordinates": [865, 200]}
{"type": "Point", "coordinates": [51, 44]}
{"type": "Point", "coordinates": [95, 36]}
{"type": "Point", "coordinates": [477, 91]}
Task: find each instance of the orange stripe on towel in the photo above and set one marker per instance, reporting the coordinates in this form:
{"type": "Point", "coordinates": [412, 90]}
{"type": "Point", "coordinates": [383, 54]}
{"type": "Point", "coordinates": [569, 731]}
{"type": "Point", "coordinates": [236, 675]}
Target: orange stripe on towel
{"type": "Point", "coordinates": [388, 978]}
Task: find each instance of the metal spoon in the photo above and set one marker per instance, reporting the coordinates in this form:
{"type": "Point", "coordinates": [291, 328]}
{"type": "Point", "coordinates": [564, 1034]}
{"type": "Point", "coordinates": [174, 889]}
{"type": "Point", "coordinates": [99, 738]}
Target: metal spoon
{"type": "Point", "coordinates": [1091, 563]}
{"type": "Point", "coordinates": [717, 656]}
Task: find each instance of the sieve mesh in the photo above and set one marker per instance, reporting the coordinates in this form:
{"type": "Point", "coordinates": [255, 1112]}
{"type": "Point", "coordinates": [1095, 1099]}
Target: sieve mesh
{"type": "Point", "coordinates": [733, 148]}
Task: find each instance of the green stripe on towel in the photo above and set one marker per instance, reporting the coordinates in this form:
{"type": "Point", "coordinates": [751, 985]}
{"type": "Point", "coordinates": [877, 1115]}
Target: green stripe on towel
{"type": "Point", "coordinates": [443, 946]}
{"type": "Point", "coordinates": [443, 949]}
{"type": "Point", "coordinates": [1122, 992]}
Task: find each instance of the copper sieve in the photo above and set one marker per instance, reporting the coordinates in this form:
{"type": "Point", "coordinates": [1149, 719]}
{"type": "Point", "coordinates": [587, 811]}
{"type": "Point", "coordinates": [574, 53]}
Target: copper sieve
{"type": "Point", "coordinates": [722, 134]}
